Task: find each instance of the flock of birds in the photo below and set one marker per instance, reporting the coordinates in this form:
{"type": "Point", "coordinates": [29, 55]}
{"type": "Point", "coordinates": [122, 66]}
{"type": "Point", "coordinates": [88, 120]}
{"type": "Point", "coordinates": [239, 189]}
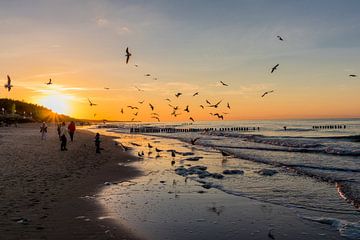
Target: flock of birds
{"type": "Point", "coordinates": [176, 110]}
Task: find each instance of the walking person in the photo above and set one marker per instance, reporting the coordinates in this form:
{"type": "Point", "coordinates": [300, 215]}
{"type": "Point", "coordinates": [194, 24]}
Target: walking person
{"type": "Point", "coordinates": [63, 136]}
{"type": "Point", "coordinates": [97, 142]}
{"type": "Point", "coordinates": [43, 131]}
{"type": "Point", "coordinates": [72, 129]}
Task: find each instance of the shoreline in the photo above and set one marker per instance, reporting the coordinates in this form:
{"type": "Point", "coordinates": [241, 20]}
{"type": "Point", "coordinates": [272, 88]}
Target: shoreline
{"type": "Point", "coordinates": [45, 192]}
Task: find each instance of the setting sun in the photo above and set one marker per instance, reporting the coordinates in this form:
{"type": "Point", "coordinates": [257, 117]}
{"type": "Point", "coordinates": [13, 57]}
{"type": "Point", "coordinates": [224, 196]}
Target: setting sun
{"type": "Point", "coordinates": [57, 102]}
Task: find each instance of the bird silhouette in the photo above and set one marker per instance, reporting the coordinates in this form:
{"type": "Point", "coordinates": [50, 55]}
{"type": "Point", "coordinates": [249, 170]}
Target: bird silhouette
{"type": "Point", "coordinates": [224, 84]}
{"type": "Point", "coordinates": [225, 154]}
{"type": "Point", "coordinates": [8, 85]}
{"type": "Point", "coordinates": [141, 102]}
{"type": "Point", "coordinates": [158, 150]}
{"type": "Point", "coordinates": [194, 140]}
{"type": "Point", "coordinates": [155, 78]}
{"type": "Point", "coordinates": [352, 75]}
{"type": "Point", "coordinates": [280, 38]}
{"type": "Point", "coordinates": [138, 89]}
{"type": "Point", "coordinates": [215, 105]}
{"type": "Point", "coordinates": [151, 106]}
{"type": "Point", "coordinates": [208, 102]}
{"type": "Point", "coordinates": [191, 119]}
{"type": "Point", "coordinates": [265, 93]}
{"type": "Point", "coordinates": [149, 145]}
{"type": "Point", "coordinates": [122, 111]}
{"type": "Point", "coordinates": [196, 94]}
{"type": "Point", "coordinates": [49, 82]}
{"type": "Point", "coordinates": [135, 114]}
{"type": "Point", "coordinates": [274, 68]}
{"type": "Point", "coordinates": [202, 106]}
{"type": "Point", "coordinates": [132, 107]}
{"type": "Point", "coordinates": [178, 94]}
{"type": "Point", "coordinates": [175, 114]}
{"type": "Point", "coordinates": [147, 75]}
{"type": "Point", "coordinates": [155, 114]}
{"type": "Point", "coordinates": [187, 109]}
{"type": "Point", "coordinates": [128, 54]}
{"type": "Point", "coordinates": [106, 88]}
{"type": "Point", "coordinates": [167, 99]}
{"type": "Point", "coordinates": [228, 106]}
{"type": "Point", "coordinates": [135, 65]}
{"type": "Point", "coordinates": [91, 103]}
{"type": "Point", "coordinates": [157, 118]}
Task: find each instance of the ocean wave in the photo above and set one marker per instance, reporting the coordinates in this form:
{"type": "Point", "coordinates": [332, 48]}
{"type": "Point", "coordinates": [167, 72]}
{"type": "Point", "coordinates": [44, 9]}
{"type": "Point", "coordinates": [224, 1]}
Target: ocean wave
{"type": "Point", "coordinates": [349, 230]}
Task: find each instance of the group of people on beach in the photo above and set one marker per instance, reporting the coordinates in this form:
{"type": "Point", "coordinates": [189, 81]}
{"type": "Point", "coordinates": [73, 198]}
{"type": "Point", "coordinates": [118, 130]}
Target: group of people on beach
{"type": "Point", "coordinates": [67, 131]}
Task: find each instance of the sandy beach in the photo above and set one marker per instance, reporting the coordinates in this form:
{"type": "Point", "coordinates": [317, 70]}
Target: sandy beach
{"type": "Point", "coordinates": [45, 192]}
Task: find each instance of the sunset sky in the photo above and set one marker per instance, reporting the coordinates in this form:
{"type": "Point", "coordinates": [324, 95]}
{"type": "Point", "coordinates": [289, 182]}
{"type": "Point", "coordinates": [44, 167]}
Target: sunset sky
{"type": "Point", "coordinates": [189, 46]}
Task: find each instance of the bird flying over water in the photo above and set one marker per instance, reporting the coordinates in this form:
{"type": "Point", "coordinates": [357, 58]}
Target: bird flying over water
{"type": "Point", "coordinates": [202, 106]}
{"type": "Point", "coordinates": [224, 84]}
{"type": "Point", "coordinates": [168, 100]}
{"type": "Point", "coordinates": [128, 54]}
{"type": "Point", "coordinates": [265, 93]}
{"type": "Point", "coordinates": [122, 111]}
{"type": "Point", "coordinates": [274, 68]}
{"type": "Point", "coordinates": [280, 38]}
{"type": "Point", "coordinates": [178, 94]}
{"type": "Point", "coordinates": [135, 114]}
{"type": "Point", "coordinates": [141, 102]}
{"type": "Point", "coordinates": [91, 103]}
{"type": "Point", "coordinates": [195, 94]}
{"type": "Point", "coordinates": [194, 140]}
{"type": "Point", "coordinates": [352, 75]}
{"type": "Point", "coordinates": [8, 85]}
{"type": "Point", "coordinates": [207, 101]}
{"type": "Point", "coordinates": [132, 107]}
{"type": "Point", "coordinates": [49, 82]}
{"type": "Point", "coordinates": [191, 119]}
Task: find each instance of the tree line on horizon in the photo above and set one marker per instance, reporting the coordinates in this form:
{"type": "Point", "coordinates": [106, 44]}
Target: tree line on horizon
{"type": "Point", "coordinates": [15, 111]}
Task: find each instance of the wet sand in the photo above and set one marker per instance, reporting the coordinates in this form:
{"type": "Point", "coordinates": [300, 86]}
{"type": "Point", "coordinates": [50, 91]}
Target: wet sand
{"type": "Point", "coordinates": [47, 194]}
{"type": "Point", "coordinates": [163, 205]}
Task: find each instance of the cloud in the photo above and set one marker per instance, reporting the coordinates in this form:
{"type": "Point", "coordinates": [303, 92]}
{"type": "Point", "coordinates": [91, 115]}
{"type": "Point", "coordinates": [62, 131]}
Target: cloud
{"type": "Point", "coordinates": [102, 22]}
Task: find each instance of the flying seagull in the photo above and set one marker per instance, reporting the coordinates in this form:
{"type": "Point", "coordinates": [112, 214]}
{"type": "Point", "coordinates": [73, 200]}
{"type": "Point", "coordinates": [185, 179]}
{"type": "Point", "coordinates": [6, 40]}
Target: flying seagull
{"type": "Point", "coordinates": [157, 118]}
{"type": "Point", "coordinates": [128, 54]}
{"type": "Point", "coordinates": [168, 100]}
{"type": "Point", "coordinates": [106, 88]}
{"type": "Point", "coordinates": [215, 105]}
{"type": "Point", "coordinates": [265, 93]}
{"type": "Point", "coordinates": [202, 106]}
{"type": "Point", "coordinates": [274, 68]}
{"type": "Point", "coordinates": [178, 94]}
{"type": "Point", "coordinates": [8, 85]}
{"type": "Point", "coordinates": [141, 102]}
{"type": "Point", "coordinates": [147, 75]}
{"type": "Point", "coordinates": [224, 84]}
{"type": "Point", "coordinates": [195, 94]}
{"type": "Point", "coordinates": [194, 140]}
{"type": "Point", "coordinates": [207, 101]}
{"type": "Point", "coordinates": [122, 111]}
{"type": "Point", "coordinates": [228, 105]}
{"type": "Point", "coordinates": [187, 109]}
{"type": "Point", "coordinates": [138, 89]}
{"type": "Point", "coordinates": [49, 83]}
{"type": "Point", "coordinates": [132, 107]}
{"type": "Point", "coordinates": [191, 119]}
{"type": "Point", "coordinates": [91, 103]}
{"type": "Point", "coordinates": [280, 38]}
{"type": "Point", "coordinates": [151, 106]}
{"type": "Point", "coordinates": [352, 75]}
